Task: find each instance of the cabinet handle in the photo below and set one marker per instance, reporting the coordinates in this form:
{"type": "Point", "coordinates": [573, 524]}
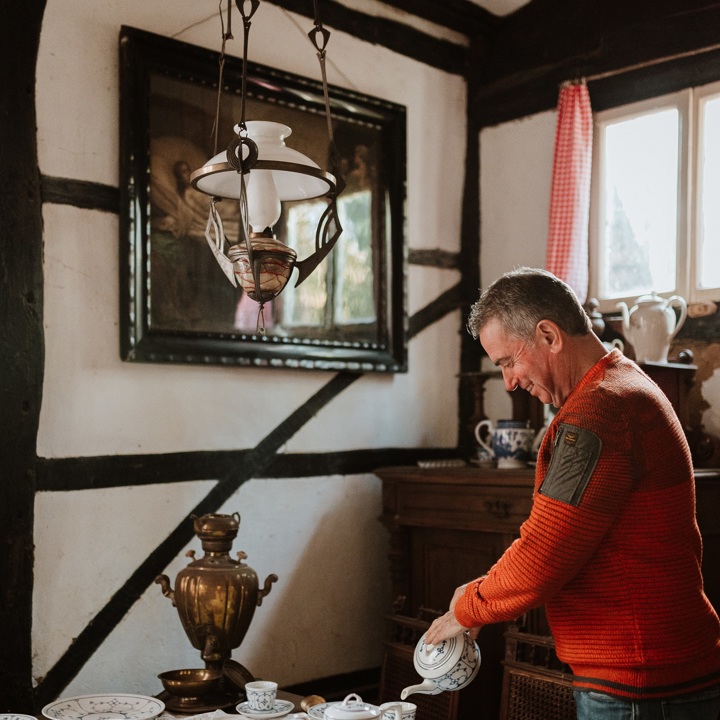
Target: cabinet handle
{"type": "Point", "coordinates": [498, 508]}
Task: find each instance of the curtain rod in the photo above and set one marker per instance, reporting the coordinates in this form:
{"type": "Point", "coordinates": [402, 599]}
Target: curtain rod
{"type": "Point", "coordinates": [650, 63]}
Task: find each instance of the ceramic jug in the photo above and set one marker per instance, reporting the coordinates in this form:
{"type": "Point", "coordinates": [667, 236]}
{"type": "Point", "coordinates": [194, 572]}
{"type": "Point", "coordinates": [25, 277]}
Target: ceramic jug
{"type": "Point", "coordinates": [510, 441]}
{"type": "Point", "coordinates": [651, 324]}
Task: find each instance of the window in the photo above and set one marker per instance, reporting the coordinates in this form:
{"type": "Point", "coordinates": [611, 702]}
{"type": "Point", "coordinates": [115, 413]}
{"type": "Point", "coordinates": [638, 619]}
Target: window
{"type": "Point", "coordinates": [655, 214]}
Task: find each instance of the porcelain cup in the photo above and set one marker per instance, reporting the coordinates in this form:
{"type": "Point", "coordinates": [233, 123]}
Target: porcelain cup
{"type": "Point", "coordinates": [407, 710]}
{"type": "Point", "coordinates": [510, 441]}
{"type": "Point", "coordinates": [261, 695]}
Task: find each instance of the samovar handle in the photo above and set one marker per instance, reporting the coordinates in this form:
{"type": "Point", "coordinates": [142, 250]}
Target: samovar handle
{"type": "Point", "coordinates": [167, 591]}
{"type": "Point", "coordinates": [267, 587]}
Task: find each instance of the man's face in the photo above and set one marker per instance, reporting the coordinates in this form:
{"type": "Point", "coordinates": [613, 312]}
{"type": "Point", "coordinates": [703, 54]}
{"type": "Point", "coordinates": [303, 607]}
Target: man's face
{"type": "Point", "coordinates": [526, 365]}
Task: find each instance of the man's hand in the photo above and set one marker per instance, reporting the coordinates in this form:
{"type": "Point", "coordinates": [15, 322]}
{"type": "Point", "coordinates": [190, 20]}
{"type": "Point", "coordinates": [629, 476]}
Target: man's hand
{"type": "Point", "coordinates": [446, 626]}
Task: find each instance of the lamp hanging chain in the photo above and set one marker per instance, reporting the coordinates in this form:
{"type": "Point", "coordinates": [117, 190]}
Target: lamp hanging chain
{"type": "Point", "coordinates": [319, 36]}
{"type": "Point", "coordinates": [244, 166]}
{"type": "Point", "coordinates": [246, 16]}
{"type": "Point", "coordinates": [221, 62]}
{"type": "Point", "coordinates": [329, 227]}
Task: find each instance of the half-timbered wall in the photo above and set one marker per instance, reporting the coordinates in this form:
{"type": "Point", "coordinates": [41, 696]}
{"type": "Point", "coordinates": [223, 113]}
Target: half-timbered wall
{"type": "Point", "coordinates": [126, 452]}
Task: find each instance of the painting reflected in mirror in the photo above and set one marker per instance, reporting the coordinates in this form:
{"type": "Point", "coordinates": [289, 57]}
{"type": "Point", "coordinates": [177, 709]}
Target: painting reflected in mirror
{"type": "Point", "coordinates": [177, 304]}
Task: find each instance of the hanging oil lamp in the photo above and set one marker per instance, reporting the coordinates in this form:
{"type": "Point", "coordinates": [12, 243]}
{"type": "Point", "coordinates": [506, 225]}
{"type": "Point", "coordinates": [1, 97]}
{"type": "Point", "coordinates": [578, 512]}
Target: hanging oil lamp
{"type": "Point", "coordinates": [260, 172]}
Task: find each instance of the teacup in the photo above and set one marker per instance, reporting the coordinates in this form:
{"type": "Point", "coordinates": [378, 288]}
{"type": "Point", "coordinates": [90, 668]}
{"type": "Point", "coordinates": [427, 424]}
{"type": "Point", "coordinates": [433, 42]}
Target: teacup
{"type": "Point", "coordinates": [407, 710]}
{"type": "Point", "coordinates": [511, 441]}
{"type": "Point", "coordinates": [261, 695]}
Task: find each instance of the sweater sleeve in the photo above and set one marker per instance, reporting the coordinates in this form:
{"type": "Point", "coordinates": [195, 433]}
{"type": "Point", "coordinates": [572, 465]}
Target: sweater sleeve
{"type": "Point", "coordinates": [564, 529]}
{"type": "Point", "coordinates": [555, 543]}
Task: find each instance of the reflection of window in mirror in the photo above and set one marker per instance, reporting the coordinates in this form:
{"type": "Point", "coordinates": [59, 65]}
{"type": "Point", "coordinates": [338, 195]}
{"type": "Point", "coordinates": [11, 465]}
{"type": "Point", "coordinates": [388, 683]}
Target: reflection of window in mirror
{"type": "Point", "coordinates": [340, 293]}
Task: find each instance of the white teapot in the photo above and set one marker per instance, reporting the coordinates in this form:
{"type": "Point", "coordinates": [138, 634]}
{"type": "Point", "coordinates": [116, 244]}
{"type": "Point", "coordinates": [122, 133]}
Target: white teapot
{"type": "Point", "coordinates": [353, 708]}
{"type": "Point", "coordinates": [651, 324]}
{"type": "Point", "coordinates": [449, 665]}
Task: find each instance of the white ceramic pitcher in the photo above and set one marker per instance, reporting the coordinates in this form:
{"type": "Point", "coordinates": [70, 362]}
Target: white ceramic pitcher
{"type": "Point", "coordinates": [651, 324]}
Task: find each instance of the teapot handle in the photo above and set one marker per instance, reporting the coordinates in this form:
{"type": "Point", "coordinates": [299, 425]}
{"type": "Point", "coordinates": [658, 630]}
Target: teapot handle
{"type": "Point", "coordinates": [677, 301]}
{"type": "Point", "coordinates": [484, 424]}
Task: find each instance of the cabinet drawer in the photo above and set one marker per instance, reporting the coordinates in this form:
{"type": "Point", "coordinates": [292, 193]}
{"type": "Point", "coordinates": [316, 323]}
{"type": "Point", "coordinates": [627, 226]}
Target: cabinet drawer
{"type": "Point", "coordinates": [464, 507]}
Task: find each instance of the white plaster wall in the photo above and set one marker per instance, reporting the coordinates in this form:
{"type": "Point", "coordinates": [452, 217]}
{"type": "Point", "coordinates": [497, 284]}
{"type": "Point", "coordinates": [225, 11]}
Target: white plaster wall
{"type": "Point", "coordinates": [515, 176]}
{"type": "Point", "coordinates": [320, 535]}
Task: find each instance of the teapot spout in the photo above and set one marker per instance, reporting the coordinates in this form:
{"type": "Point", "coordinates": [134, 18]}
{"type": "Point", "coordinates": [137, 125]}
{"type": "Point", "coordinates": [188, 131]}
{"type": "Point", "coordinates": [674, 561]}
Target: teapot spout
{"type": "Point", "coordinates": [427, 687]}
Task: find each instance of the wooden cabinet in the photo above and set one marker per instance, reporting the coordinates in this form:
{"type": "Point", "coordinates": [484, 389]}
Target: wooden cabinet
{"type": "Point", "coordinates": [707, 491]}
{"type": "Point", "coordinates": [447, 526]}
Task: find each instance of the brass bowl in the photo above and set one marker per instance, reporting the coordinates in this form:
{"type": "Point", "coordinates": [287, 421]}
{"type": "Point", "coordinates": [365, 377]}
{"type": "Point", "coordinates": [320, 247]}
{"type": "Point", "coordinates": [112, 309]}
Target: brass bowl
{"type": "Point", "coordinates": [190, 684]}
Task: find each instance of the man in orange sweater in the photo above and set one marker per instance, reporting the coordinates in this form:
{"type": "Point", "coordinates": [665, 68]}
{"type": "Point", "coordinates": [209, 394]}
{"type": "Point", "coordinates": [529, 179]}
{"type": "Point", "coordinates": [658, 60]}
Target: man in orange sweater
{"type": "Point", "coordinates": [611, 547]}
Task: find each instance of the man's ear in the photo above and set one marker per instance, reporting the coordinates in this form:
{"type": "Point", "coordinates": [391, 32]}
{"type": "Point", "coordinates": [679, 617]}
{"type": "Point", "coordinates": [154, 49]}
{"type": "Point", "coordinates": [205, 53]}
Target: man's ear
{"type": "Point", "coordinates": [548, 334]}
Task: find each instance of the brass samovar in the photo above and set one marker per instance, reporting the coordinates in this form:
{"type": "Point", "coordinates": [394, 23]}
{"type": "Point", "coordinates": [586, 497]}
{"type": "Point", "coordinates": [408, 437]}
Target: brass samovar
{"type": "Point", "coordinates": [216, 596]}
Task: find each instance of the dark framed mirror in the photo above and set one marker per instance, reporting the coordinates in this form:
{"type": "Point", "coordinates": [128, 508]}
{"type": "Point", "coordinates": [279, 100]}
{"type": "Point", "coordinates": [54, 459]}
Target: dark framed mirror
{"type": "Point", "coordinates": [177, 306]}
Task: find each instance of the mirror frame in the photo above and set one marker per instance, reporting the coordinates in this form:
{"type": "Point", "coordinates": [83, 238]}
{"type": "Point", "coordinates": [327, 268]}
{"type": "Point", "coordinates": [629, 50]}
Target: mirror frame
{"type": "Point", "coordinates": [144, 55]}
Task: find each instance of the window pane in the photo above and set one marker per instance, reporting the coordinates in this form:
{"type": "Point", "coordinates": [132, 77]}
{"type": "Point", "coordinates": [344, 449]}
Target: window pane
{"type": "Point", "coordinates": [306, 304]}
{"type": "Point", "coordinates": [354, 292]}
{"type": "Point", "coordinates": [639, 219]}
{"type": "Point", "coordinates": [709, 230]}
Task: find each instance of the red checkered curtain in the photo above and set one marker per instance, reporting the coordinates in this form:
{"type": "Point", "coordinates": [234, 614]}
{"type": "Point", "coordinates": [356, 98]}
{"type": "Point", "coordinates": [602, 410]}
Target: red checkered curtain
{"type": "Point", "coordinates": [567, 246]}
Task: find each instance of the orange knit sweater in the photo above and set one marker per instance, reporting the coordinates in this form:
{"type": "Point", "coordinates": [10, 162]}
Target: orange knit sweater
{"type": "Point", "coordinates": [614, 559]}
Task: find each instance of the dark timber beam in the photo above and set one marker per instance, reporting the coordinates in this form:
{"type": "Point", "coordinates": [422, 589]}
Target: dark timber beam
{"type": "Point", "coordinates": [458, 15]}
{"type": "Point", "coordinates": [395, 36]}
{"type": "Point", "coordinates": [534, 50]}
{"type": "Point", "coordinates": [21, 342]}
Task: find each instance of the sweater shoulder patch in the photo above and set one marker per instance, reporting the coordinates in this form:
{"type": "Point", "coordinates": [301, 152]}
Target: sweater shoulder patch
{"type": "Point", "coordinates": [574, 456]}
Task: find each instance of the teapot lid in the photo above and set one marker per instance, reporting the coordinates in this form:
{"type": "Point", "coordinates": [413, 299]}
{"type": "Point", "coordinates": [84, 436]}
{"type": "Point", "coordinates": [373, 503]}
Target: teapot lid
{"type": "Point", "coordinates": [433, 661]}
{"type": "Point", "coordinates": [351, 708]}
{"type": "Point", "coordinates": [652, 297]}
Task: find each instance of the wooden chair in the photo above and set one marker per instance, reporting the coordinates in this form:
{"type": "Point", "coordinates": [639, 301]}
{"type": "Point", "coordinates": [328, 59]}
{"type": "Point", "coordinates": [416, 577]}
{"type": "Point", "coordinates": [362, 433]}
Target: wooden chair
{"type": "Point", "coordinates": [536, 685]}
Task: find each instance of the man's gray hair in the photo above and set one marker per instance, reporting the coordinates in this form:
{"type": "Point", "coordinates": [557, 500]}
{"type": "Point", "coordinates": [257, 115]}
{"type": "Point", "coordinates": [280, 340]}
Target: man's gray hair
{"type": "Point", "coordinates": [523, 297]}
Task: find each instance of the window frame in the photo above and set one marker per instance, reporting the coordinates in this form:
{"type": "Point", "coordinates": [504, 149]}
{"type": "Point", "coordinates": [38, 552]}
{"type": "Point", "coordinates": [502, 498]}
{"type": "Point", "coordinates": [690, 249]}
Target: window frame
{"type": "Point", "coordinates": [686, 101]}
{"type": "Point", "coordinates": [652, 79]}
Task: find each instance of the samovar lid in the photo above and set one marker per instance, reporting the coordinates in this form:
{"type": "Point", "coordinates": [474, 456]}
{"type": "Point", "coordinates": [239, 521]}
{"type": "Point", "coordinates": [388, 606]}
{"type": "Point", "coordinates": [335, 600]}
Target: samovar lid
{"type": "Point", "coordinates": [214, 527]}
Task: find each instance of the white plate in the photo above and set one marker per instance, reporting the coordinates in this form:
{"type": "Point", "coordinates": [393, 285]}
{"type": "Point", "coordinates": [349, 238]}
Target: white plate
{"type": "Point", "coordinates": [282, 707]}
{"type": "Point", "coordinates": [121, 706]}
{"type": "Point", "coordinates": [16, 716]}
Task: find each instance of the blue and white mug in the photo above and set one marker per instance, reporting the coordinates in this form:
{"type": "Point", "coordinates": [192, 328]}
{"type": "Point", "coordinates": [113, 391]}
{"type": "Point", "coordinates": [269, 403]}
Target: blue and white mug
{"type": "Point", "coordinates": [510, 443]}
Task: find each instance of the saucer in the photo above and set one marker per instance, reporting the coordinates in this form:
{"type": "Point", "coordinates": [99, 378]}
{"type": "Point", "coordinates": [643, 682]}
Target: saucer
{"type": "Point", "coordinates": [317, 712]}
{"type": "Point", "coordinates": [282, 707]}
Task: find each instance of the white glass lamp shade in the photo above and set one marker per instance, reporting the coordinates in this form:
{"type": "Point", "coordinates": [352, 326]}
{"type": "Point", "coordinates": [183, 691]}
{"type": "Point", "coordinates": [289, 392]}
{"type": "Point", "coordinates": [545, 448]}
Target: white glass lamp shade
{"type": "Point", "coordinates": [294, 175]}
